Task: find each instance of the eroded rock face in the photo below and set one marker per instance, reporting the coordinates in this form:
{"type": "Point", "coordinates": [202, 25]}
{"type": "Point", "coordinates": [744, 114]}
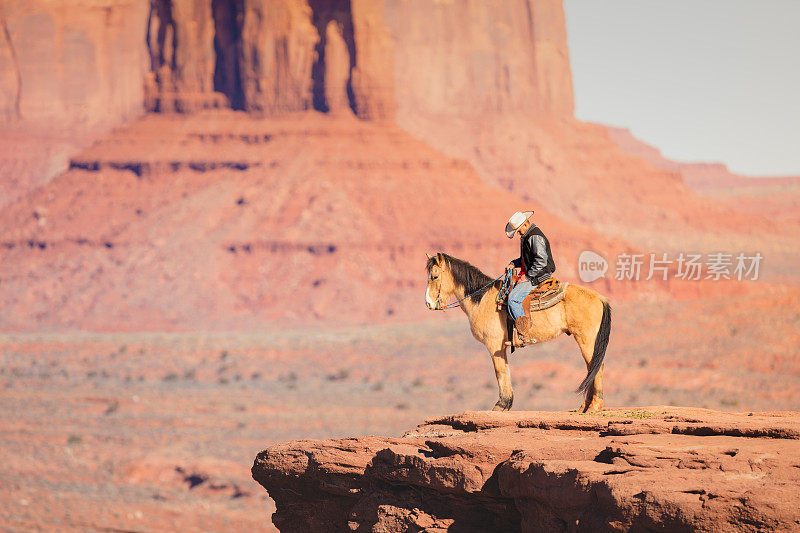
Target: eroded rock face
{"type": "Point", "coordinates": [370, 57]}
{"type": "Point", "coordinates": [278, 54]}
{"type": "Point", "coordinates": [69, 64]}
{"type": "Point", "coordinates": [329, 55]}
{"type": "Point", "coordinates": [69, 70]}
{"type": "Point", "coordinates": [474, 58]}
{"type": "Point", "coordinates": [72, 66]}
{"type": "Point", "coordinates": [183, 60]}
{"type": "Point", "coordinates": [655, 468]}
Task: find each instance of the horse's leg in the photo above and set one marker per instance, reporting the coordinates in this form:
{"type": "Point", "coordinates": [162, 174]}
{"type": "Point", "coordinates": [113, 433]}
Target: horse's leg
{"type": "Point", "coordinates": [503, 374]}
{"type": "Point", "coordinates": [595, 393]}
{"type": "Point", "coordinates": [588, 319]}
{"type": "Point", "coordinates": [587, 350]}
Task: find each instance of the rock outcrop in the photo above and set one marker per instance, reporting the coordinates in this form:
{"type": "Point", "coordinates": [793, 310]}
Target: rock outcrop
{"type": "Point", "coordinates": [648, 469]}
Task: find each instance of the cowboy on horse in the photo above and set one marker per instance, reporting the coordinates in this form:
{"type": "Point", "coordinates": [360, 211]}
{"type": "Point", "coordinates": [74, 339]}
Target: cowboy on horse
{"type": "Point", "coordinates": [536, 264]}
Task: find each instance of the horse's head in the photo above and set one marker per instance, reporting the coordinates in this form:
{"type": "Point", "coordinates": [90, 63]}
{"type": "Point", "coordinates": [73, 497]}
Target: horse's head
{"type": "Point", "coordinates": [440, 282]}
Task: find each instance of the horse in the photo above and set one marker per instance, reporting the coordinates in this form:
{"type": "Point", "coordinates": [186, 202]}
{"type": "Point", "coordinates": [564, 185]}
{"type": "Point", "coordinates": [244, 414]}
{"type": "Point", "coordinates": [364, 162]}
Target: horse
{"type": "Point", "coordinates": [583, 313]}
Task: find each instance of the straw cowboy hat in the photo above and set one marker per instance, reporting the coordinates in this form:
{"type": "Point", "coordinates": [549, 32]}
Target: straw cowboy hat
{"type": "Point", "coordinates": [516, 220]}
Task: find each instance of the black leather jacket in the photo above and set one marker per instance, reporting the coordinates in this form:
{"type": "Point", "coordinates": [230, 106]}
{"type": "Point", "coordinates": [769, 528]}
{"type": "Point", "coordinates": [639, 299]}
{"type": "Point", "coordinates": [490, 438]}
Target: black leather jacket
{"type": "Point", "coordinates": [535, 255]}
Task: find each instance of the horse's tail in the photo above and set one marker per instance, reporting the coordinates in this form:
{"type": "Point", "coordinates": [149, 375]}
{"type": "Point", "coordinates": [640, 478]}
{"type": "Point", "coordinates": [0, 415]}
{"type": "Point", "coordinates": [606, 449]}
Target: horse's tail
{"type": "Point", "coordinates": [600, 345]}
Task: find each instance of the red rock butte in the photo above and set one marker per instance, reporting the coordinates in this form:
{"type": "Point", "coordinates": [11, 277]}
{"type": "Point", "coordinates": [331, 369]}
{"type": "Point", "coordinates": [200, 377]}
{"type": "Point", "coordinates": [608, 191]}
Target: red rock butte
{"type": "Point", "coordinates": [310, 152]}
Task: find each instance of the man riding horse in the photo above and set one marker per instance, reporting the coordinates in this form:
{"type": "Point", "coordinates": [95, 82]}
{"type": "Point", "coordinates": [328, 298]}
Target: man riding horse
{"type": "Point", "coordinates": [541, 307]}
{"type": "Point", "coordinates": [535, 261]}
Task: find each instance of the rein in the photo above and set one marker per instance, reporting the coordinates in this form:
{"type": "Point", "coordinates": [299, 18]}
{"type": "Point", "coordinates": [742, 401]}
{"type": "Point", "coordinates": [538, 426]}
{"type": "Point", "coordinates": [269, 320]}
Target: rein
{"type": "Point", "coordinates": [455, 304]}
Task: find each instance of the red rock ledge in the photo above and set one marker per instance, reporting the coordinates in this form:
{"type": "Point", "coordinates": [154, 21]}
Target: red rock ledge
{"type": "Point", "coordinates": [642, 469]}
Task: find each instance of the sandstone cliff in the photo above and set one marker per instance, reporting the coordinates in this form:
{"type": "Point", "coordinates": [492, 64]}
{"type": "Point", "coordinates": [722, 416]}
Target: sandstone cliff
{"type": "Point", "coordinates": [477, 58]}
{"type": "Point", "coordinates": [90, 61]}
{"type": "Point", "coordinates": [67, 62]}
{"type": "Point", "coordinates": [273, 56]}
{"type": "Point", "coordinates": [69, 70]}
{"type": "Point", "coordinates": [646, 469]}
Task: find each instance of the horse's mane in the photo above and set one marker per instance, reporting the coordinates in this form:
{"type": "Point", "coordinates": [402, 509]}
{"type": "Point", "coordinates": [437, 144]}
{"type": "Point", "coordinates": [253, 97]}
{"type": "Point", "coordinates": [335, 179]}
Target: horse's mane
{"type": "Point", "coordinates": [465, 274]}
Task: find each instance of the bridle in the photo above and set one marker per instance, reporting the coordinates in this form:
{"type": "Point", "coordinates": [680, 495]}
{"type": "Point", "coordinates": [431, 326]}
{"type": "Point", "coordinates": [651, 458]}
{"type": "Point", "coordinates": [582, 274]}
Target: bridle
{"type": "Point", "coordinates": [453, 305]}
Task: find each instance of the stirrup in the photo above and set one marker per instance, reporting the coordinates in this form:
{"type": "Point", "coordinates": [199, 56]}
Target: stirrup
{"type": "Point", "coordinates": [518, 341]}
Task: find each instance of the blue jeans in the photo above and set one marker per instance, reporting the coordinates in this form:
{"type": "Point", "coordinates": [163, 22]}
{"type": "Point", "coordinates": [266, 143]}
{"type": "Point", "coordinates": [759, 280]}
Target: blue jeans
{"type": "Point", "coordinates": [515, 297]}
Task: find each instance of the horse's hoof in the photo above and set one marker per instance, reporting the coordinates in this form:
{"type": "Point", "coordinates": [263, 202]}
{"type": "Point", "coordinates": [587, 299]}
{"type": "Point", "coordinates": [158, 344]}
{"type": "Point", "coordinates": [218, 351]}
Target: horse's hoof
{"type": "Point", "coordinates": [503, 405]}
{"type": "Point", "coordinates": [594, 407]}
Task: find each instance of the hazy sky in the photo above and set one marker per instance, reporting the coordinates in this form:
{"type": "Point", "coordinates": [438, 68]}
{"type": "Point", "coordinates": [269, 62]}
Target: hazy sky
{"type": "Point", "coordinates": [702, 80]}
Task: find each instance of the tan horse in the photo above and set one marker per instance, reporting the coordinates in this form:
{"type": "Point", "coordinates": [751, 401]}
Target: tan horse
{"type": "Point", "coordinates": [583, 313]}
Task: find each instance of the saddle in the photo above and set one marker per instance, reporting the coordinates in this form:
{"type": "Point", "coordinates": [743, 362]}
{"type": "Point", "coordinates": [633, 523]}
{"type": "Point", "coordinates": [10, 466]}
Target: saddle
{"type": "Point", "coordinates": [545, 295]}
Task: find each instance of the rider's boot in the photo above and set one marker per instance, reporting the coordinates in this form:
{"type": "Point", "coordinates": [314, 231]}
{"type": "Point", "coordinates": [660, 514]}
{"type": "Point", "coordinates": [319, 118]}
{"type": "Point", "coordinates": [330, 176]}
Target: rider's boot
{"type": "Point", "coordinates": [522, 329]}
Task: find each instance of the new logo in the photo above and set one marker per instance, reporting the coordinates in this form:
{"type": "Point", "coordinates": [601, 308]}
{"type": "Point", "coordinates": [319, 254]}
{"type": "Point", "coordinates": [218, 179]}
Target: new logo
{"type": "Point", "coordinates": [591, 266]}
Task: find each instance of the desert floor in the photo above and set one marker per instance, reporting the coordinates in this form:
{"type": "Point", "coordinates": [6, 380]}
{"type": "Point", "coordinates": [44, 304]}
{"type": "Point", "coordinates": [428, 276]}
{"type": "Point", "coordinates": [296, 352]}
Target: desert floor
{"type": "Point", "coordinates": [157, 432]}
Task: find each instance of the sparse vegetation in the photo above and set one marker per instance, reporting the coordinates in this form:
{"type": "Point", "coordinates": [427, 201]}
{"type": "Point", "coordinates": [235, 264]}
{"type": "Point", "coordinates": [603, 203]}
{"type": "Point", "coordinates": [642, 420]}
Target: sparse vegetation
{"type": "Point", "coordinates": [341, 375]}
{"type": "Point", "coordinates": [112, 407]}
{"type": "Point", "coordinates": [636, 414]}
{"type": "Point", "coordinates": [289, 377]}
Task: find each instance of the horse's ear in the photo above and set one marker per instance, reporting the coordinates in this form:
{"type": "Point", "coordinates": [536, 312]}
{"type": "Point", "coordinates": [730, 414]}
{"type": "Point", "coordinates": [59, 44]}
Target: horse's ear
{"type": "Point", "coordinates": [428, 256]}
